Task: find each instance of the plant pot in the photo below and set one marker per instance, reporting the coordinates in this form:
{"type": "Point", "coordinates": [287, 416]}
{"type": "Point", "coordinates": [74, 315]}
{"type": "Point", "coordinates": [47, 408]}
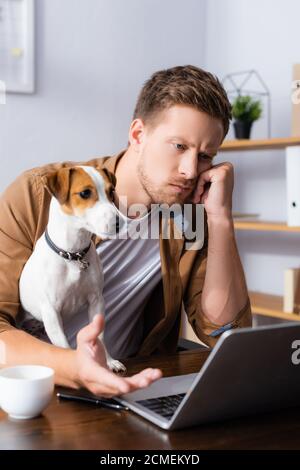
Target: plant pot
{"type": "Point", "coordinates": [242, 129]}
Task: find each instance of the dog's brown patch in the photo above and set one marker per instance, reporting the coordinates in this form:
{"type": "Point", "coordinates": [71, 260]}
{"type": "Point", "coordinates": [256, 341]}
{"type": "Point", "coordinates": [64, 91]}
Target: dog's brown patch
{"type": "Point", "coordinates": [80, 181]}
{"type": "Point", "coordinates": [66, 185]}
{"type": "Point", "coordinates": [110, 182]}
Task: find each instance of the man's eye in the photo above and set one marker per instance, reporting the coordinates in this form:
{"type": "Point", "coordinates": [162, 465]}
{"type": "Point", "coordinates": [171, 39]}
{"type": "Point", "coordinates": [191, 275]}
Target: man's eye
{"type": "Point", "coordinates": [179, 146]}
{"type": "Point", "coordinates": [205, 157]}
{"type": "Point", "coordinates": [85, 194]}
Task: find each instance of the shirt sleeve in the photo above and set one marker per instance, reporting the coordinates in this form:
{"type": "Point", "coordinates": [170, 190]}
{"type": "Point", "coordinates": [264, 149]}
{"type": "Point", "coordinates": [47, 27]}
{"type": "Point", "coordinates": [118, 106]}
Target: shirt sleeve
{"type": "Point", "coordinates": [19, 208]}
{"type": "Point", "coordinates": [205, 330]}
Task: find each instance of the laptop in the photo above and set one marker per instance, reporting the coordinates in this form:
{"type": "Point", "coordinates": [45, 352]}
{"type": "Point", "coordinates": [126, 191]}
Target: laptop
{"type": "Point", "coordinates": [250, 370]}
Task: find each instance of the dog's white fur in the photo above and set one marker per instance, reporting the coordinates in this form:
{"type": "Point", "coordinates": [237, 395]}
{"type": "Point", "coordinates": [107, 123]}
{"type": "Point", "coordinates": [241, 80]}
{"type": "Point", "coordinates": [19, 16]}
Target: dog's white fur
{"type": "Point", "coordinates": [53, 288]}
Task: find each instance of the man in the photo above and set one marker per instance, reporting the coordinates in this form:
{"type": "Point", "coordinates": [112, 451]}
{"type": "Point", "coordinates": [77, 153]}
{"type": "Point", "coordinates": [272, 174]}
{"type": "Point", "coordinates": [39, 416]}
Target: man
{"type": "Point", "coordinates": [181, 118]}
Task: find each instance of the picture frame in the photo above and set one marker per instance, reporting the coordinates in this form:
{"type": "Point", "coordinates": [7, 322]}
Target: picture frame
{"type": "Point", "coordinates": [17, 38]}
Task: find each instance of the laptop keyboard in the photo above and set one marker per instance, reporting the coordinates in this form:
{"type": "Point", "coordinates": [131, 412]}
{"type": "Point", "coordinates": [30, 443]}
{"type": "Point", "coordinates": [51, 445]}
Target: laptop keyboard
{"type": "Point", "coordinates": [164, 406]}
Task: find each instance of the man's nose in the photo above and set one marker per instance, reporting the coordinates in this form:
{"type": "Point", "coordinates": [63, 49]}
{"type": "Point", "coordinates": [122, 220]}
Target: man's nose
{"type": "Point", "coordinates": [188, 166]}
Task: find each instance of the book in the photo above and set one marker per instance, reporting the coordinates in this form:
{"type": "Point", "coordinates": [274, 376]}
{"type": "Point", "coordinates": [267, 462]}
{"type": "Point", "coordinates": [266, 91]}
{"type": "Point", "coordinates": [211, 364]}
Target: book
{"type": "Point", "coordinates": [291, 298]}
{"type": "Point", "coordinates": [295, 101]}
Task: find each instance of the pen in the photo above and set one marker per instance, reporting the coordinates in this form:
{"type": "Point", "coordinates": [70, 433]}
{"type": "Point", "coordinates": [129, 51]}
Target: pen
{"type": "Point", "coordinates": [95, 401]}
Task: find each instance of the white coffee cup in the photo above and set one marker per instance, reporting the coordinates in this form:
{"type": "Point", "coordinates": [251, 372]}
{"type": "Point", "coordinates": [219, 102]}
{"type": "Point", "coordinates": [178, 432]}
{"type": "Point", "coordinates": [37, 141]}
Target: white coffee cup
{"type": "Point", "coordinates": [25, 391]}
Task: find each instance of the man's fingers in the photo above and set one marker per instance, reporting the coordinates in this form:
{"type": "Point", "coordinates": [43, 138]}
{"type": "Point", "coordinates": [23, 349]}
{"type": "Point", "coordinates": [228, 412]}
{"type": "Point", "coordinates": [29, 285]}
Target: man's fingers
{"type": "Point", "coordinates": [109, 379]}
{"type": "Point", "coordinates": [144, 378]}
{"type": "Point", "coordinates": [92, 330]}
{"type": "Point", "coordinates": [111, 385]}
{"type": "Point", "coordinates": [198, 192]}
{"type": "Point", "coordinates": [103, 390]}
{"type": "Point", "coordinates": [150, 373]}
{"type": "Point", "coordinates": [204, 178]}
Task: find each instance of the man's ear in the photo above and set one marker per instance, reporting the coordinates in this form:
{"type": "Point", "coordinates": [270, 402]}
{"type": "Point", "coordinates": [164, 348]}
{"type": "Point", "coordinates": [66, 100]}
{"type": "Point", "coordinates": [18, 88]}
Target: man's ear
{"type": "Point", "coordinates": [110, 176]}
{"type": "Point", "coordinates": [58, 184]}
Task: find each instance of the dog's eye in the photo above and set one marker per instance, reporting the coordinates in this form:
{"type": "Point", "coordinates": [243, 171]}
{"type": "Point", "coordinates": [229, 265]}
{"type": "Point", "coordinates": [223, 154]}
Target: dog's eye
{"type": "Point", "coordinates": [85, 194]}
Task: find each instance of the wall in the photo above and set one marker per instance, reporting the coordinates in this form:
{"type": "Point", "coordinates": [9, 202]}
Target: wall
{"type": "Point", "coordinates": [260, 35]}
{"type": "Point", "coordinates": [91, 60]}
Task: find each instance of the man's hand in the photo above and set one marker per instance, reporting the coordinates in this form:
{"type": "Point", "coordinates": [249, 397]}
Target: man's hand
{"type": "Point", "coordinates": [214, 190]}
{"type": "Point", "coordinates": [91, 369]}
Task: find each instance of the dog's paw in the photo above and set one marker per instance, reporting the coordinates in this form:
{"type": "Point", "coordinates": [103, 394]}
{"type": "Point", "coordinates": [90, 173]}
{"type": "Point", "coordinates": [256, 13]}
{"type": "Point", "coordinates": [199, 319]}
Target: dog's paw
{"type": "Point", "coordinates": [115, 365]}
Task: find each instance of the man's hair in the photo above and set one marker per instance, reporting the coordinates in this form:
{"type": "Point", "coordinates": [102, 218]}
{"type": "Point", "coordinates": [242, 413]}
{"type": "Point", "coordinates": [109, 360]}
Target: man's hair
{"type": "Point", "coordinates": [187, 85]}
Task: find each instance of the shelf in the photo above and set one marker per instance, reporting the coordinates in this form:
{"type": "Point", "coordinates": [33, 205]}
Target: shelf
{"type": "Point", "coordinates": [270, 306]}
{"type": "Point", "coordinates": [265, 226]}
{"type": "Point", "coordinates": [264, 304]}
{"type": "Point", "coordinates": [262, 144]}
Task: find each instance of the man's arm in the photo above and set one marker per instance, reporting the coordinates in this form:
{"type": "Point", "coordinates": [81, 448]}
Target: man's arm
{"type": "Point", "coordinates": [18, 347]}
{"type": "Point", "coordinates": [83, 367]}
{"type": "Point", "coordinates": [225, 290]}
{"type": "Point", "coordinates": [224, 297]}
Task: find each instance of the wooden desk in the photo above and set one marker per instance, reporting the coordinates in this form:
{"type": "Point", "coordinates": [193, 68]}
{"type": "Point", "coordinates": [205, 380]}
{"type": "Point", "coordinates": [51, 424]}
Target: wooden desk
{"type": "Point", "coordinates": [72, 425]}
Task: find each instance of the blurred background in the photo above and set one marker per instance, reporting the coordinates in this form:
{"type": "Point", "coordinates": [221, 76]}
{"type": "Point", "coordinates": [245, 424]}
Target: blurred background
{"type": "Point", "coordinates": [91, 59]}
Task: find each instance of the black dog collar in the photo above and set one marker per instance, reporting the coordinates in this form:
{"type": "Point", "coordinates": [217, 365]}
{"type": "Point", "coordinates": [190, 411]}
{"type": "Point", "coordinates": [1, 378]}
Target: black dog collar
{"type": "Point", "coordinates": [68, 255]}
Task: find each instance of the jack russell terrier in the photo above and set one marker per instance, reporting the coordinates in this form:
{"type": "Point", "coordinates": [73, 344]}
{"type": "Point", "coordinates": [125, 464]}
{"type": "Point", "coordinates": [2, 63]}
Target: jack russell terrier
{"type": "Point", "coordinates": [64, 272]}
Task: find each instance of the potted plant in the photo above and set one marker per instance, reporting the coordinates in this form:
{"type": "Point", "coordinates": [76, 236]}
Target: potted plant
{"type": "Point", "coordinates": [245, 110]}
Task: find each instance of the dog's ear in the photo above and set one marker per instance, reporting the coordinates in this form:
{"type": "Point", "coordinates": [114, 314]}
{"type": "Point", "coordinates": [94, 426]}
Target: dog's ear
{"type": "Point", "coordinates": [110, 176]}
{"type": "Point", "coordinates": [58, 184]}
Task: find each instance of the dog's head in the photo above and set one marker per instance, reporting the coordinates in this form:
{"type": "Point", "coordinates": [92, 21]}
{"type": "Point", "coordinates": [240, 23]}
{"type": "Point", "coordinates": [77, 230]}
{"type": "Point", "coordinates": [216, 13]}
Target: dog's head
{"type": "Point", "coordinates": [86, 193]}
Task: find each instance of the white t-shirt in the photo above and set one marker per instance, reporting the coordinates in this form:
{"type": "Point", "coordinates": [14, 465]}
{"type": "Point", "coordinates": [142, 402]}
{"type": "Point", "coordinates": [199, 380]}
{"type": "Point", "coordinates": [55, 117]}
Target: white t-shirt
{"type": "Point", "coordinates": [132, 269]}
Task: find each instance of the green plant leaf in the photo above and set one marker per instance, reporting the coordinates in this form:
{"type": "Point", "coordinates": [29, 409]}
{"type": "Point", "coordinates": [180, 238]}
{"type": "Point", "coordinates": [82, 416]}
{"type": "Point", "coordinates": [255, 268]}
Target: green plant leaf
{"type": "Point", "coordinates": [245, 108]}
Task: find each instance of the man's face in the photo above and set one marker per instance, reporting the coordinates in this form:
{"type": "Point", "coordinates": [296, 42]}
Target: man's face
{"type": "Point", "coordinates": [175, 151]}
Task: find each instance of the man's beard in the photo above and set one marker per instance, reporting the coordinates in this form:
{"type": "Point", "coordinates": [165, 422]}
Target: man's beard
{"type": "Point", "coordinates": [157, 195]}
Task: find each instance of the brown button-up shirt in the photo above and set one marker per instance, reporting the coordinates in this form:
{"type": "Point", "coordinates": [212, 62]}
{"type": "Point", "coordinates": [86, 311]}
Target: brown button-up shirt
{"type": "Point", "coordinates": [24, 210]}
